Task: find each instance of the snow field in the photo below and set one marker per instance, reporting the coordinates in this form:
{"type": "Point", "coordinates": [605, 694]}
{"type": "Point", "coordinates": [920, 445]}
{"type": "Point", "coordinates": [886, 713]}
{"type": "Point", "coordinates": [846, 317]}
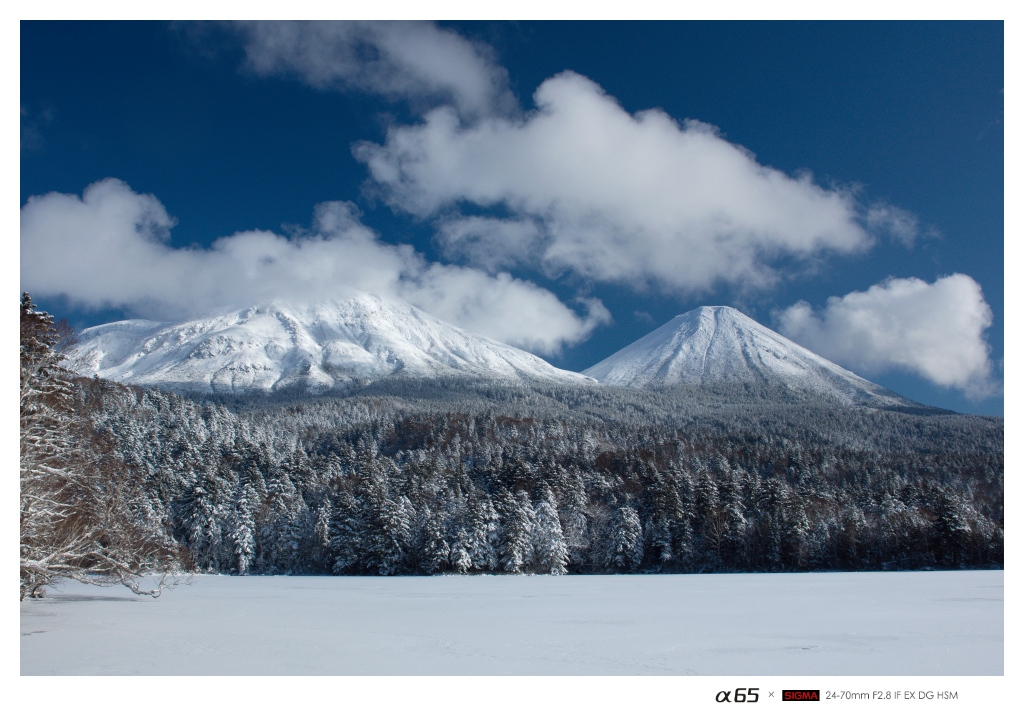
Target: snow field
{"type": "Point", "coordinates": [892, 623]}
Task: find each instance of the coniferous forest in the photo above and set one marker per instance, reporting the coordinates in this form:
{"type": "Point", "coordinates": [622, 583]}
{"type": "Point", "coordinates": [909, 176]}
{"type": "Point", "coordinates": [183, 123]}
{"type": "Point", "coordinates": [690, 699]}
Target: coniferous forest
{"type": "Point", "coordinates": [400, 477]}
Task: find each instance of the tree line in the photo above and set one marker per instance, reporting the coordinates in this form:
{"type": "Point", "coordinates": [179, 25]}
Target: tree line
{"type": "Point", "coordinates": [419, 478]}
{"type": "Point", "coordinates": [287, 489]}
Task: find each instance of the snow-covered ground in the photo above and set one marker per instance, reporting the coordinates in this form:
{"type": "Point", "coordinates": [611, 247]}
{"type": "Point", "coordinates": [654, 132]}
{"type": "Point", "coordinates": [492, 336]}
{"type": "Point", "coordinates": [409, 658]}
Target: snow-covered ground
{"type": "Point", "coordinates": [909, 623]}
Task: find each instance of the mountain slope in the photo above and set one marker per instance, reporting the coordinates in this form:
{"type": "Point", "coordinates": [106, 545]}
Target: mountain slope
{"type": "Point", "coordinates": [718, 344]}
{"type": "Point", "coordinates": [316, 347]}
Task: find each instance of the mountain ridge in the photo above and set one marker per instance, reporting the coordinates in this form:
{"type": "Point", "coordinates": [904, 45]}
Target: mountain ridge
{"type": "Point", "coordinates": [321, 347]}
{"type": "Point", "coordinates": [336, 345]}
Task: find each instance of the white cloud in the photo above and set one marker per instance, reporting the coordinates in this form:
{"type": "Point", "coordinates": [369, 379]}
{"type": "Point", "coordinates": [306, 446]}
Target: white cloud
{"type": "Point", "coordinates": [109, 247]}
{"type": "Point", "coordinates": [635, 199]}
{"type": "Point", "coordinates": [502, 307]}
{"type": "Point", "coordinates": [934, 330]}
{"type": "Point", "coordinates": [901, 224]}
{"type": "Point", "coordinates": [489, 242]}
{"type": "Point", "coordinates": [417, 61]}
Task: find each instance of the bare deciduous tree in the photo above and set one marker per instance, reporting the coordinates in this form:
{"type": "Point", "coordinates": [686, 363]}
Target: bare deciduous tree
{"type": "Point", "coordinates": [79, 507]}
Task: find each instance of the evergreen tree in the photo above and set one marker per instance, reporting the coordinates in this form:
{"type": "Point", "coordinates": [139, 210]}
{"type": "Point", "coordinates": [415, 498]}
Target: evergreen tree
{"type": "Point", "coordinates": [243, 527]}
{"type": "Point", "coordinates": [389, 534]}
{"type": "Point", "coordinates": [850, 532]}
{"type": "Point", "coordinates": [321, 557]}
{"type": "Point", "coordinates": [514, 547]}
{"type": "Point", "coordinates": [625, 548]}
{"type": "Point", "coordinates": [951, 533]}
{"type": "Point", "coordinates": [348, 528]}
{"type": "Point", "coordinates": [198, 514]}
{"type": "Point", "coordinates": [795, 532]}
{"type": "Point", "coordinates": [548, 540]}
{"type": "Point", "coordinates": [460, 556]}
{"type": "Point", "coordinates": [682, 529]}
{"type": "Point", "coordinates": [773, 521]}
{"type": "Point", "coordinates": [573, 517]}
{"type": "Point", "coordinates": [709, 518]}
{"type": "Point", "coordinates": [734, 539]}
{"type": "Point", "coordinates": [483, 533]}
{"type": "Point", "coordinates": [436, 551]}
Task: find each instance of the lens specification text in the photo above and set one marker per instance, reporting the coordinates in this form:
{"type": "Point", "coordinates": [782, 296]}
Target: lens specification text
{"type": "Point", "coordinates": [891, 695]}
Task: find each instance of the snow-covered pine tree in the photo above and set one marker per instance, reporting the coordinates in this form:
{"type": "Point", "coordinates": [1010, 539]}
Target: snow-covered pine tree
{"type": "Point", "coordinates": [850, 531]}
{"type": "Point", "coordinates": [548, 540]}
{"type": "Point", "coordinates": [572, 513]}
{"type": "Point", "coordinates": [199, 516]}
{"type": "Point", "coordinates": [515, 548]}
{"type": "Point", "coordinates": [295, 540]}
{"type": "Point", "coordinates": [734, 541]}
{"type": "Point", "coordinates": [708, 518]}
{"type": "Point", "coordinates": [951, 533]}
{"type": "Point", "coordinates": [389, 517]}
{"type": "Point", "coordinates": [322, 534]}
{"type": "Point", "coordinates": [666, 510]}
{"type": "Point", "coordinates": [460, 559]}
{"type": "Point", "coordinates": [483, 530]}
{"type": "Point", "coordinates": [242, 535]}
{"type": "Point", "coordinates": [625, 547]}
{"type": "Point", "coordinates": [795, 532]}
{"type": "Point", "coordinates": [436, 552]}
{"type": "Point", "coordinates": [682, 530]}
{"type": "Point", "coordinates": [348, 533]}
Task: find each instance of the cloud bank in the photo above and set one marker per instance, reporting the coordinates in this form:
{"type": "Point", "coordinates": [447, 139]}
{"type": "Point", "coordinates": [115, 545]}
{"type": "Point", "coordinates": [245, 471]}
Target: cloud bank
{"type": "Point", "coordinates": [583, 186]}
{"type": "Point", "coordinates": [110, 247]}
{"type": "Point", "coordinates": [415, 61]}
{"type": "Point", "coordinates": [933, 330]}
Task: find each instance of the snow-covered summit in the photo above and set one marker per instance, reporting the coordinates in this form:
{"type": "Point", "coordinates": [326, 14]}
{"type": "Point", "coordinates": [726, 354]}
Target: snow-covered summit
{"type": "Point", "coordinates": [316, 346]}
{"type": "Point", "coordinates": [718, 344]}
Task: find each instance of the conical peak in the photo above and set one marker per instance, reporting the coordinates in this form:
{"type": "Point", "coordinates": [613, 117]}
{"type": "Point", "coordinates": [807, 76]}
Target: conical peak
{"type": "Point", "coordinates": [719, 344]}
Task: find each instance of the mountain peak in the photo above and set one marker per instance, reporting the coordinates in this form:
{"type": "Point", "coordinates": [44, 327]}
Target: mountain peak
{"type": "Point", "coordinates": [317, 346]}
{"type": "Point", "coordinates": [719, 344]}
{"type": "Point", "coordinates": [715, 312]}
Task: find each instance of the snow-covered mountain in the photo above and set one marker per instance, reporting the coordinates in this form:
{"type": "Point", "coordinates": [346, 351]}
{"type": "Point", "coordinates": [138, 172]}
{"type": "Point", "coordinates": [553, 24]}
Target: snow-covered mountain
{"type": "Point", "coordinates": [316, 347]}
{"type": "Point", "coordinates": [718, 344]}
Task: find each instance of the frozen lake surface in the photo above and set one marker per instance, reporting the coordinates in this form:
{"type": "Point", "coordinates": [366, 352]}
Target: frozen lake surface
{"type": "Point", "coordinates": [891, 623]}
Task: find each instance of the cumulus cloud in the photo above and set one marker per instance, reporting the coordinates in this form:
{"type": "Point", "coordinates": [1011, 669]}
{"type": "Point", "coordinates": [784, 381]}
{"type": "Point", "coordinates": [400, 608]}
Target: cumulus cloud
{"type": "Point", "coordinates": [587, 187]}
{"type": "Point", "coordinates": [110, 247]}
{"type": "Point", "coordinates": [417, 61]}
{"type": "Point", "coordinates": [934, 330]}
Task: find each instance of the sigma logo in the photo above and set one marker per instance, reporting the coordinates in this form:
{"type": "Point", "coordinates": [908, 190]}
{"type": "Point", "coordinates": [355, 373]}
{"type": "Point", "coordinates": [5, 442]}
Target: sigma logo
{"type": "Point", "coordinates": [801, 695]}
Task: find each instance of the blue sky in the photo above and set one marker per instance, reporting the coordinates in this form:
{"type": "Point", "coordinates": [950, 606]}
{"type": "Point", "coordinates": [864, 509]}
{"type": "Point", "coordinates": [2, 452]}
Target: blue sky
{"type": "Point", "coordinates": [565, 187]}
